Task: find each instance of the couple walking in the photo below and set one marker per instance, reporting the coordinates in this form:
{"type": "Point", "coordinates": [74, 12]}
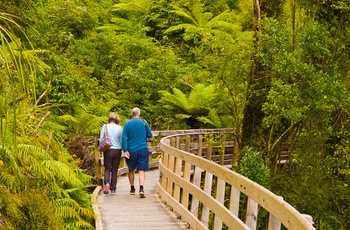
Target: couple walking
{"type": "Point", "coordinates": [132, 139]}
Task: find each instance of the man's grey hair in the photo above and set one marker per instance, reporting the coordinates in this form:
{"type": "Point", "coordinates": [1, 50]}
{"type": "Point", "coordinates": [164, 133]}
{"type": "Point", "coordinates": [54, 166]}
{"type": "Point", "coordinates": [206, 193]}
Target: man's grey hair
{"type": "Point", "coordinates": [135, 112]}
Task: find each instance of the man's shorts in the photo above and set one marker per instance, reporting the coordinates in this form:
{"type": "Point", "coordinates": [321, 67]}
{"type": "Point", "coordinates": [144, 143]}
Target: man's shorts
{"type": "Point", "coordinates": [138, 160]}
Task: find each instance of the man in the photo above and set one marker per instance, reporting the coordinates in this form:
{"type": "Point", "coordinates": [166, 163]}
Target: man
{"type": "Point", "coordinates": [134, 142]}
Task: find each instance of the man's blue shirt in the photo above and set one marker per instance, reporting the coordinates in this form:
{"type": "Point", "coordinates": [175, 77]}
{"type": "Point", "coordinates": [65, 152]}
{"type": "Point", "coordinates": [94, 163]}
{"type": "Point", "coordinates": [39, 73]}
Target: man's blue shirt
{"type": "Point", "coordinates": [135, 133]}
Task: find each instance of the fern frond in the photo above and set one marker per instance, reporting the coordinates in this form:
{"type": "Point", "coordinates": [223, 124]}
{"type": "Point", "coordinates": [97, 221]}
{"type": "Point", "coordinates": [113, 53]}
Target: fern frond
{"type": "Point", "coordinates": [69, 208]}
{"type": "Point", "coordinates": [183, 116]}
{"type": "Point", "coordinates": [66, 202]}
{"type": "Point", "coordinates": [180, 12]}
{"type": "Point", "coordinates": [124, 23]}
{"type": "Point", "coordinates": [12, 177]}
{"type": "Point", "coordinates": [223, 16]}
{"type": "Point", "coordinates": [225, 27]}
{"type": "Point", "coordinates": [63, 172]}
{"type": "Point", "coordinates": [181, 99]}
{"type": "Point", "coordinates": [205, 18]}
{"type": "Point", "coordinates": [86, 212]}
{"type": "Point", "coordinates": [179, 27]}
{"type": "Point", "coordinates": [67, 212]}
{"type": "Point", "coordinates": [8, 180]}
{"type": "Point", "coordinates": [178, 100]}
{"type": "Point", "coordinates": [202, 96]}
{"type": "Point", "coordinates": [79, 224]}
{"type": "Point", "coordinates": [212, 119]}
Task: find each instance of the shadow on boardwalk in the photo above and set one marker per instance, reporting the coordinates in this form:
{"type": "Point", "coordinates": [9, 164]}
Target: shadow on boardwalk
{"type": "Point", "coordinates": [130, 212]}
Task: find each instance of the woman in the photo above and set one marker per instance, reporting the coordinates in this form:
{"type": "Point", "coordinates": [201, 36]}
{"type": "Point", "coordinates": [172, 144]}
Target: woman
{"type": "Point", "coordinates": [113, 155]}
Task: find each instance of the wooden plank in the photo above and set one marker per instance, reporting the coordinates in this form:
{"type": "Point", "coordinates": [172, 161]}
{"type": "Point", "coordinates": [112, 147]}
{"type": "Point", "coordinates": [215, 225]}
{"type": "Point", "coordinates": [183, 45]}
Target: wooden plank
{"type": "Point", "coordinates": [208, 182]}
{"type": "Point", "coordinates": [274, 223]}
{"type": "Point", "coordinates": [171, 166]}
{"type": "Point", "coordinates": [165, 160]}
{"type": "Point", "coordinates": [197, 178]}
{"type": "Point", "coordinates": [220, 197]}
{"type": "Point", "coordinates": [178, 168]}
{"type": "Point", "coordinates": [234, 200]}
{"type": "Point", "coordinates": [186, 175]}
{"type": "Point", "coordinates": [252, 214]}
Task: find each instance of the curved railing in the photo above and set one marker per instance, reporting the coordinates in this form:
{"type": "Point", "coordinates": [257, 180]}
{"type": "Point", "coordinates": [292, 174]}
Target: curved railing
{"type": "Point", "coordinates": [210, 196]}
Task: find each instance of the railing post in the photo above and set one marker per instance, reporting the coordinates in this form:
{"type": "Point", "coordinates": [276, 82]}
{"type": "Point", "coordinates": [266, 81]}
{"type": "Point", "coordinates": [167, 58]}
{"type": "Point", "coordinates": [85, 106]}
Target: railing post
{"type": "Point", "coordinates": [178, 167]}
{"type": "Point", "coordinates": [274, 223]}
{"type": "Point", "coordinates": [220, 188]}
{"type": "Point", "coordinates": [171, 167]}
{"type": "Point", "coordinates": [208, 182]}
{"type": "Point", "coordinates": [235, 150]}
{"type": "Point", "coordinates": [252, 214]}
{"type": "Point", "coordinates": [209, 152]}
{"type": "Point", "coordinates": [234, 201]}
{"type": "Point", "coordinates": [165, 160]}
{"type": "Point", "coordinates": [220, 197]}
{"type": "Point", "coordinates": [186, 174]}
{"type": "Point", "coordinates": [197, 176]}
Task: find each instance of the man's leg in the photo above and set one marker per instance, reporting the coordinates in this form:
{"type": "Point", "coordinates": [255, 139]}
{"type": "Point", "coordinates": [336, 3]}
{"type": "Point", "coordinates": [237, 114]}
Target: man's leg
{"type": "Point", "coordinates": [131, 176]}
{"type": "Point", "coordinates": [142, 177]}
{"type": "Point", "coordinates": [142, 166]}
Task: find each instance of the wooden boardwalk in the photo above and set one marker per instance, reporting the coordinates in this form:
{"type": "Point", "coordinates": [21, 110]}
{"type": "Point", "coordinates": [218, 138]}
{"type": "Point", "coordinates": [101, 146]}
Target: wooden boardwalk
{"type": "Point", "coordinates": [130, 212]}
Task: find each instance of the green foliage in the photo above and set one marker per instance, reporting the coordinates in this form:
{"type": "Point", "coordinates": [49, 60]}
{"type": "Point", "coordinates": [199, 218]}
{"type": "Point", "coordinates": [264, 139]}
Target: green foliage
{"type": "Point", "coordinates": [251, 165]}
{"type": "Point", "coordinates": [317, 188]}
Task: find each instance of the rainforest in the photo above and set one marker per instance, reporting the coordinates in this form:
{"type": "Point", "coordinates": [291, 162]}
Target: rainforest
{"type": "Point", "coordinates": [276, 72]}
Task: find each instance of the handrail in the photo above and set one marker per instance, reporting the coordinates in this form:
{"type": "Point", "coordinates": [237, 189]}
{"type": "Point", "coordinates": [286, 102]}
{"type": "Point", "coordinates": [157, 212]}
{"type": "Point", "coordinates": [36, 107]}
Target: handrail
{"type": "Point", "coordinates": [186, 184]}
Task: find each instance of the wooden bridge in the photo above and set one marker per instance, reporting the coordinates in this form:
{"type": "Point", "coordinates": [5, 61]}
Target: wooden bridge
{"type": "Point", "coordinates": [192, 187]}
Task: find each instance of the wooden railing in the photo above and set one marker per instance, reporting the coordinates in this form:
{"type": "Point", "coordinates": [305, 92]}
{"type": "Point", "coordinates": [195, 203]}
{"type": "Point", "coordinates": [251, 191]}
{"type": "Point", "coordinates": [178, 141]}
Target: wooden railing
{"type": "Point", "coordinates": [195, 183]}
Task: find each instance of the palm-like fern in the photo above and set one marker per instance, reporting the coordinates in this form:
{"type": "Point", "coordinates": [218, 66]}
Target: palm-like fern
{"type": "Point", "coordinates": [132, 22]}
{"type": "Point", "coordinates": [198, 109]}
{"type": "Point", "coordinates": [201, 25]}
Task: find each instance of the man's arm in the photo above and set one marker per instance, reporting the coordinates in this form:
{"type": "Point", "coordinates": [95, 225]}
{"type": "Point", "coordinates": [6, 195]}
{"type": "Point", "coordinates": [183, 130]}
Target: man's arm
{"type": "Point", "coordinates": [148, 130]}
{"type": "Point", "coordinates": [124, 139]}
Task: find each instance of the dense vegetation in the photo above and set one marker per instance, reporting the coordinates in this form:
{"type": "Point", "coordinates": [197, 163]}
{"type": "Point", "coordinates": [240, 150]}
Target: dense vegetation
{"type": "Point", "coordinates": [274, 71]}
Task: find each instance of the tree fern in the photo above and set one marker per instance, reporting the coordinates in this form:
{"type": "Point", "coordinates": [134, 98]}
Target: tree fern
{"type": "Point", "coordinates": [199, 105]}
{"type": "Point", "coordinates": [130, 17]}
{"type": "Point", "coordinates": [202, 26]}
{"type": "Point", "coordinates": [177, 100]}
